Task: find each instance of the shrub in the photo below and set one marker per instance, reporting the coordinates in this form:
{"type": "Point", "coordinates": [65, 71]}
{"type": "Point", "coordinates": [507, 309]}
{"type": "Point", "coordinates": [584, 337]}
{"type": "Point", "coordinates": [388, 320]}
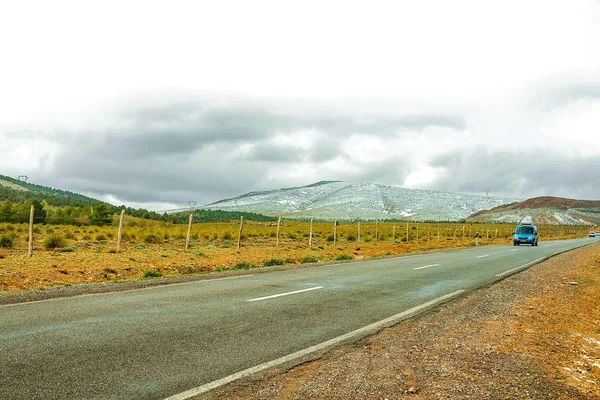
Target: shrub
{"type": "Point", "coordinates": [226, 236]}
{"type": "Point", "coordinates": [344, 257]}
{"type": "Point", "coordinates": [308, 259]}
{"type": "Point", "coordinates": [7, 241]}
{"type": "Point", "coordinates": [330, 238]}
{"type": "Point", "coordinates": [351, 238]}
{"type": "Point", "coordinates": [152, 238]}
{"type": "Point", "coordinates": [152, 273]}
{"type": "Point", "coordinates": [273, 261]}
{"type": "Point", "coordinates": [54, 241]}
{"type": "Point", "coordinates": [65, 250]}
{"type": "Point", "coordinates": [243, 265]}
{"type": "Point", "coordinates": [69, 235]}
{"type": "Point", "coordinates": [100, 237]}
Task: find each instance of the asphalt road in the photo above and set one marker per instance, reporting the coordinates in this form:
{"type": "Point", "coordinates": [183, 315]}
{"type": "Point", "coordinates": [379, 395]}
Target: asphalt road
{"type": "Point", "coordinates": [180, 340]}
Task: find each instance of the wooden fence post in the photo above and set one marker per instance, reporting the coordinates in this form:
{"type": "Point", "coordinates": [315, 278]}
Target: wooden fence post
{"type": "Point", "coordinates": [407, 232]}
{"type": "Point", "coordinates": [394, 234]}
{"type": "Point", "coordinates": [438, 234]}
{"type": "Point", "coordinates": [240, 231]}
{"type": "Point", "coordinates": [358, 237]}
{"type": "Point", "coordinates": [376, 230]}
{"type": "Point", "coordinates": [120, 232]}
{"type": "Point", "coordinates": [31, 211]}
{"type": "Point", "coordinates": [189, 231]}
{"type": "Point", "coordinates": [310, 234]}
{"type": "Point", "coordinates": [278, 224]}
{"type": "Point", "coordinates": [417, 233]}
{"type": "Point", "coordinates": [334, 232]}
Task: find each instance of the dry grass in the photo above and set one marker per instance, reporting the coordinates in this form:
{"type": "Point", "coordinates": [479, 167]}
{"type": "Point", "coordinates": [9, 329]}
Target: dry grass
{"type": "Point", "coordinates": [89, 253]}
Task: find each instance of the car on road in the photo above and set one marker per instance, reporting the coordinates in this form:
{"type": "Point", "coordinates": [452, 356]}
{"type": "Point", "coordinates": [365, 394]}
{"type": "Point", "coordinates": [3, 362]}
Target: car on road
{"type": "Point", "coordinates": [592, 234]}
{"type": "Point", "coordinates": [526, 233]}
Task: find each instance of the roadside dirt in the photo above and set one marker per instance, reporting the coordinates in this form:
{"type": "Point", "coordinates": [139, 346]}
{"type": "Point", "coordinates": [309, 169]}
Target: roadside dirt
{"type": "Point", "coordinates": [92, 262]}
{"type": "Point", "coordinates": [534, 335]}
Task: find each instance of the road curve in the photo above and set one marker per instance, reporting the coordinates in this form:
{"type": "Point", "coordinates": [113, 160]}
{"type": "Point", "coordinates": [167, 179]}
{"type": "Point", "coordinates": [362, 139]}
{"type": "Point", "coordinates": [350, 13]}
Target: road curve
{"type": "Point", "coordinates": [176, 341]}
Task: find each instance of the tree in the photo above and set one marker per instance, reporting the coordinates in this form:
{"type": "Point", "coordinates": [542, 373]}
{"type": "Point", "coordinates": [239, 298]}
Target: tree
{"type": "Point", "coordinates": [58, 217]}
{"type": "Point", "coordinates": [23, 209]}
{"type": "Point", "coordinates": [7, 213]}
{"type": "Point", "coordinates": [100, 215]}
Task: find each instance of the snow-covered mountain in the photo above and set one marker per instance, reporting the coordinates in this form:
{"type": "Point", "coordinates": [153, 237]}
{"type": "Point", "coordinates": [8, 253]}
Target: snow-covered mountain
{"type": "Point", "coordinates": [544, 211]}
{"type": "Point", "coordinates": [347, 201]}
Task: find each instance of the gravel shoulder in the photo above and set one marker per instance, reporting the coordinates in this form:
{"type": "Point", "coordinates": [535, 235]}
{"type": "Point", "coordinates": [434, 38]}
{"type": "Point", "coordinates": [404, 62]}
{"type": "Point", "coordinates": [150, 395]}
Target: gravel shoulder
{"type": "Point", "coordinates": [534, 335]}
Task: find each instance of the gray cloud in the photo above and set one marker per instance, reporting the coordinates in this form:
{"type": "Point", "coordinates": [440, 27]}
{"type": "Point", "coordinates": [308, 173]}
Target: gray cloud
{"type": "Point", "coordinates": [525, 173]}
{"type": "Point", "coordinates": [565, 90]}
{"type": "Point", "coordinates": [326, 148]}
{"type": "Point", "coordinates": [269, 152]}
{"type": "Point", "coordinates": [191, 151]}
{"type": "Point", "coordinates": [388, 171]}
{"type": "Point", "coordinates": [389, 125]}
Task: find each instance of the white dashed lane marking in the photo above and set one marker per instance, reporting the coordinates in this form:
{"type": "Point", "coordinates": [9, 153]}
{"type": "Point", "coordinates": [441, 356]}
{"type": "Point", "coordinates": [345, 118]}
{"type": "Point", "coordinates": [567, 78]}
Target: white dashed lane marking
{"type": "Point", "coordinates": [286, 294]}
{"type": "Point", "coordinates": [427, 266]}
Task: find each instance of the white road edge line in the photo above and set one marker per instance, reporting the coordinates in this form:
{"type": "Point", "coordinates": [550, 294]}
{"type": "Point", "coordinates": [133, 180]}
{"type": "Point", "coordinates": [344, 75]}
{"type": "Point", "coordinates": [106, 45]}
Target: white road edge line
{"type": "Point", "coordinates": [426, 266]}
{"type": "Point", "coordinates": [483, 256]}
{"type": "Point", "coordinates": [125, 291]}
{"type": "Point", "coordinates": [514, 250]}
{"type": "Point", "coordinates": [319, 347]}
{"type": "Point", "coordinates": [286, 294]}
{"type": "Point", "coordinates": [522, 266]}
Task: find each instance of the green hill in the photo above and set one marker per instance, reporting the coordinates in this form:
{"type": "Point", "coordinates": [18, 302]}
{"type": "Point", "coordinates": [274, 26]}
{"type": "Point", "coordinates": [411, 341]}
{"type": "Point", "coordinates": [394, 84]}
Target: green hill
{"type": "Point", "coordinates": [16, 198]}
{"type": "Point", "coordinates": [30, 189]}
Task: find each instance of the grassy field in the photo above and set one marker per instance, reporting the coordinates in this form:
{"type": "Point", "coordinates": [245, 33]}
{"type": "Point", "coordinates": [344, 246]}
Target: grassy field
{"type": "Point", "coordinates": [67, 255]}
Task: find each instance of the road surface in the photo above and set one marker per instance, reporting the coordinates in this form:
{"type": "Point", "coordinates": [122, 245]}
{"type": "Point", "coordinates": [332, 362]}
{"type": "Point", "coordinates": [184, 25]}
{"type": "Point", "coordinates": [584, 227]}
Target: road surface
{"type": "Point", "coordinates": [179, 340]}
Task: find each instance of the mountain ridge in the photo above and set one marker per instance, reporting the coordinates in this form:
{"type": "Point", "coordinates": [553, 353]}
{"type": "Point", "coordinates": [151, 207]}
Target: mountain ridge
{"type": "Point", "coordinates": [348, 201]}
{"type": "Point", "coordinates": [544, 210]}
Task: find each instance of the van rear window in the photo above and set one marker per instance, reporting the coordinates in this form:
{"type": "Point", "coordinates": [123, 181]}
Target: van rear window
{"type": "Point", "coordinates": [525, 230]}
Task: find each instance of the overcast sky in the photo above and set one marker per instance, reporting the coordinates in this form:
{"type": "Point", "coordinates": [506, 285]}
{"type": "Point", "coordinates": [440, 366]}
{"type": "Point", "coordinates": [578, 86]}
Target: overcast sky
{"type": "Point", "coordinates": [153, 104]}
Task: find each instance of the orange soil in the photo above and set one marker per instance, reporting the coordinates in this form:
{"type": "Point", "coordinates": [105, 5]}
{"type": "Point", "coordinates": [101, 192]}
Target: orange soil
{"type": "Point", "coordinates": [93, 261]}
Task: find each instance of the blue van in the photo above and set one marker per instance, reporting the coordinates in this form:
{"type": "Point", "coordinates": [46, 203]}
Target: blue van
{"type": "Point", "coordinates": [526, 233]}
